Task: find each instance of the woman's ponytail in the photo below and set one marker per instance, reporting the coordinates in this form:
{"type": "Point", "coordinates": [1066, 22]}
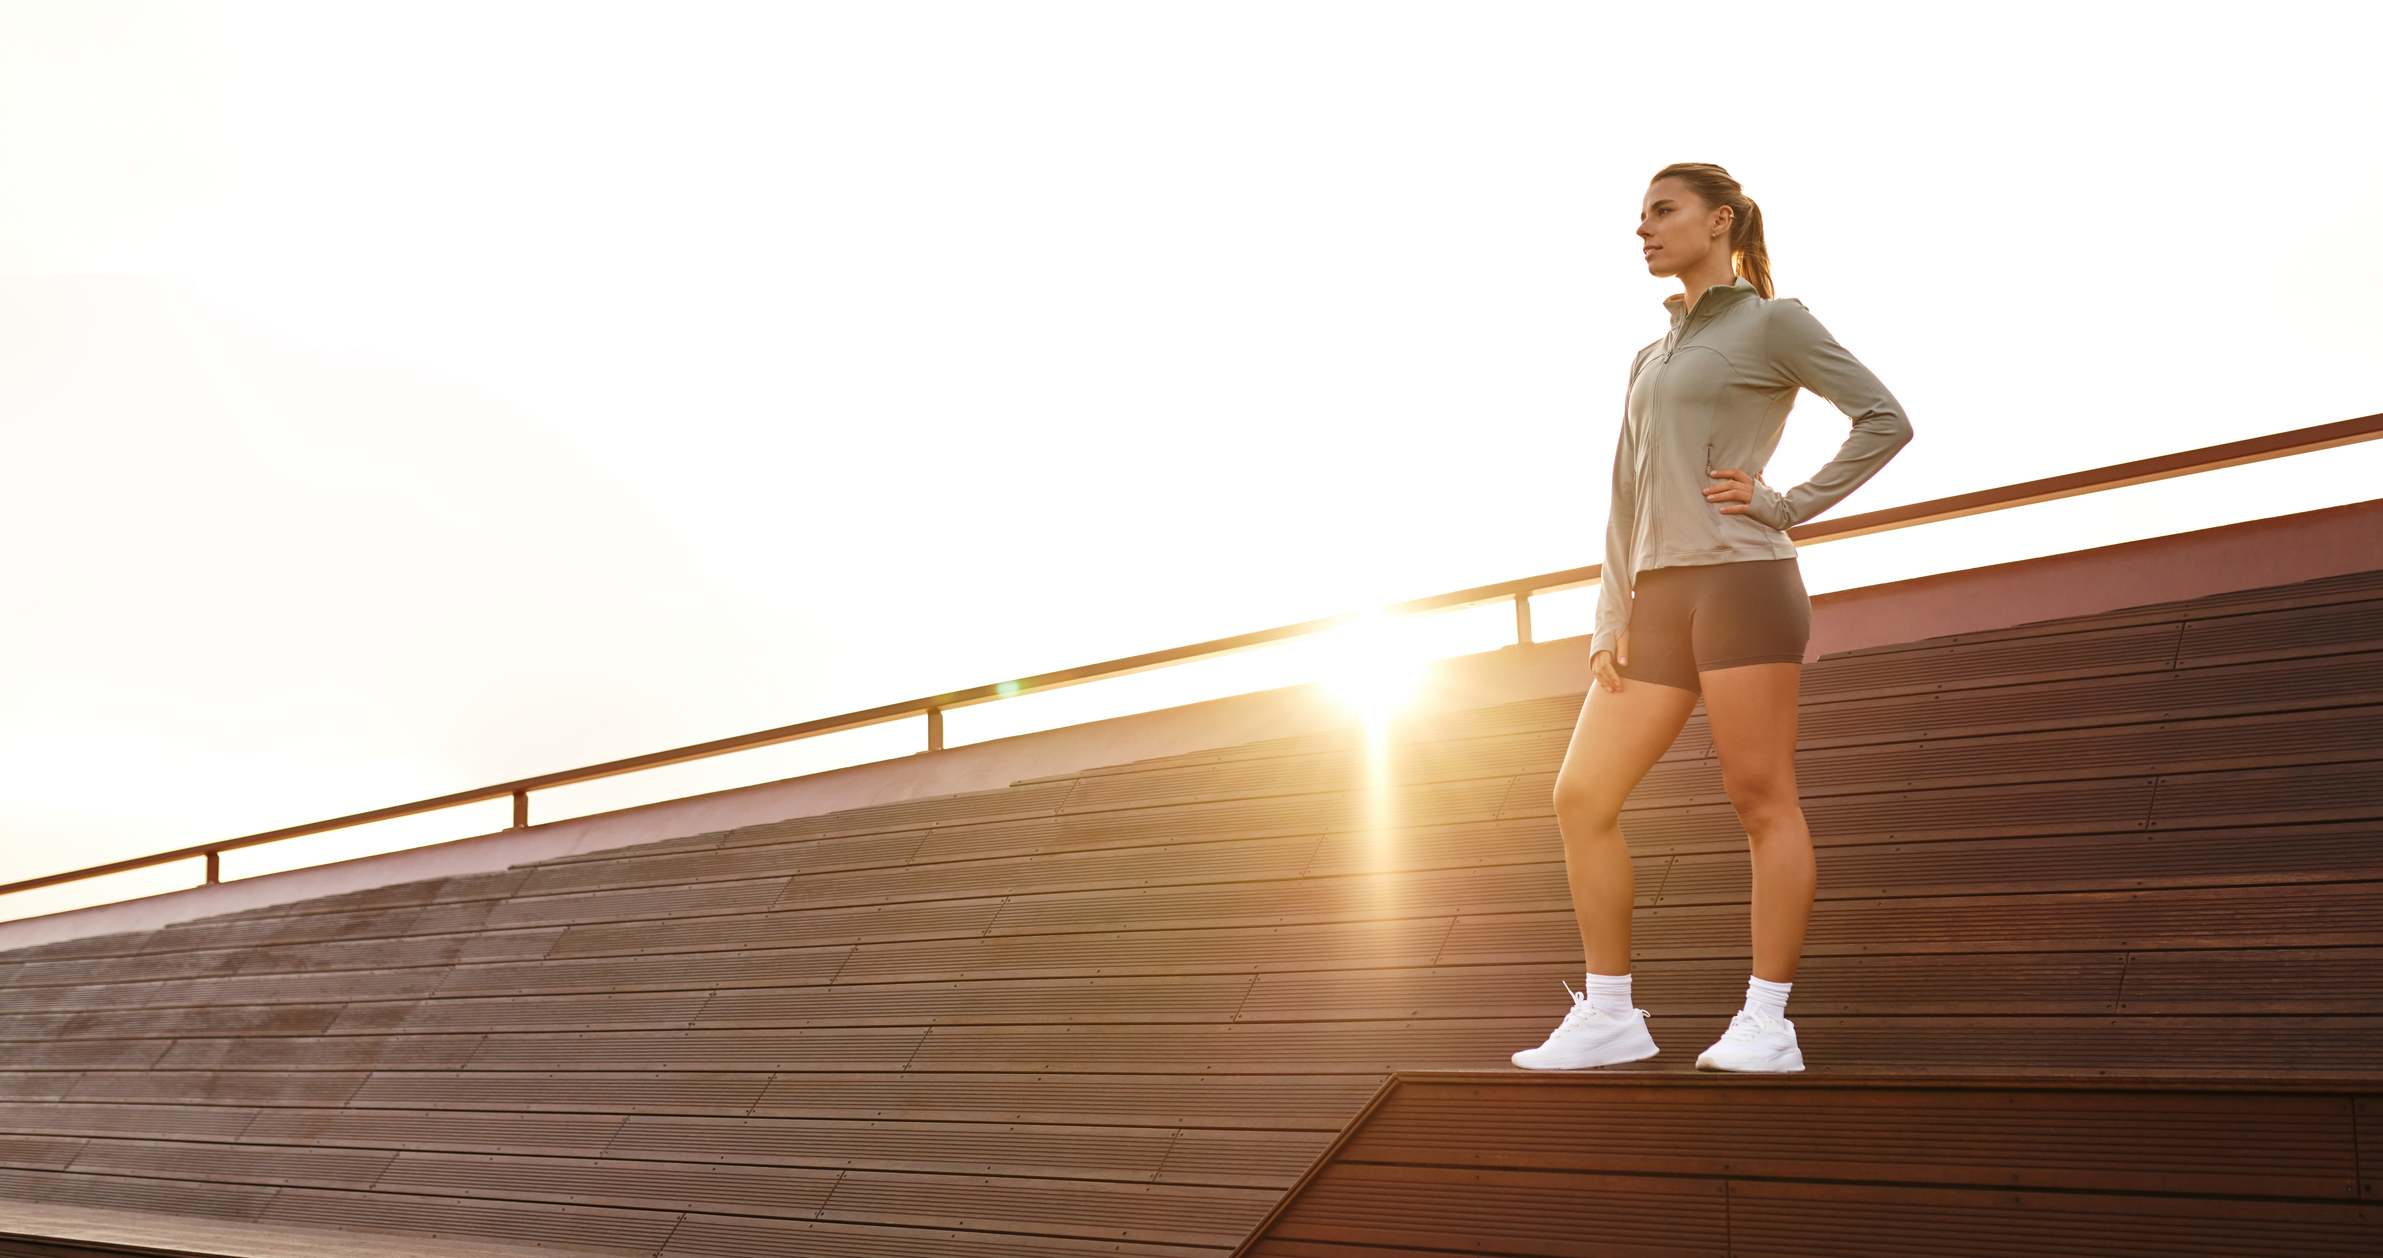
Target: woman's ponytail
{"type": "Point", "coordinates": [1749, 256]}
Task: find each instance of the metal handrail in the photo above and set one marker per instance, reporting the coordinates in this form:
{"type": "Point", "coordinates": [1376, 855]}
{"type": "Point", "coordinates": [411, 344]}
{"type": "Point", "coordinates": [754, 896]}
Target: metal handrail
{"type": "Point", "coordinates": [2116, 476]}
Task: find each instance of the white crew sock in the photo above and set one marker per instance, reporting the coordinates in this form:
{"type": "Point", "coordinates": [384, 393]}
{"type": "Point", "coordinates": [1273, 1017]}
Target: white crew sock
{"type": "Point", "coordinates": [1609, 994]}
{"type": "Point", "coordinates": [1767, 998]}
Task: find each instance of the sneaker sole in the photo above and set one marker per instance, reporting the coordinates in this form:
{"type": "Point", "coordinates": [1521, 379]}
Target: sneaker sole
{"type": "Point", "coordinates": [1797, 1068]}
{"type": "Point", "coordinates": [1599, 1065]}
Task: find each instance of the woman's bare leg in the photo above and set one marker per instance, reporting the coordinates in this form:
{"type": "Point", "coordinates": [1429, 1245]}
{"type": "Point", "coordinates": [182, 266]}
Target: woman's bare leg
{"type": "Point", "coordinates": [1620, 736]}
{"type": "Point", "coordinates": [1753, 710]}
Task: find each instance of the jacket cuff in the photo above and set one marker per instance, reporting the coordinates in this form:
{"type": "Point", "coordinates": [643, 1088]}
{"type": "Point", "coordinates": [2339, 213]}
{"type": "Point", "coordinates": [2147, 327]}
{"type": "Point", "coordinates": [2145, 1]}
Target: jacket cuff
{"type": "Point", "coordinates": [1606, 640]}
{"type": "Point", "coordinates": [1770, 508]}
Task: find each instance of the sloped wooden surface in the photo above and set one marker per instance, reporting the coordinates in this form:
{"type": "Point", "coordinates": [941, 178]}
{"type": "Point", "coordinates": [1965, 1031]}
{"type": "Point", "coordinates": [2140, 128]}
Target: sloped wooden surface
{"type": "Point", "coordinates": [1121, 1012]}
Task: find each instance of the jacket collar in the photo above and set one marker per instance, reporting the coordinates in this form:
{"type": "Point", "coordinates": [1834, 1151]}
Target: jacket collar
{"type": "Point", "coordinates": [1718, 298]}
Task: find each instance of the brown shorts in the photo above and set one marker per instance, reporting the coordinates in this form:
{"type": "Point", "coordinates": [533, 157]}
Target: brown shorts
{"type": "Point", "coordinates": [1685, 621]}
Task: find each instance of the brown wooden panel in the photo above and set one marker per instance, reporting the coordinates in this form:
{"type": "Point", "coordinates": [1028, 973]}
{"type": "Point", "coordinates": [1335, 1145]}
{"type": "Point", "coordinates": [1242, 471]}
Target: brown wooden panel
{"type": "Point", "coordinates": [127, 969]}
{"type": "Point", "coordinates": [817, 1048]}
{"type": "Point", "coordinates": [2263, 980]}
{"type": "Point", "coordinates": [1299, 1102]}
{"type": "Point", "coordinates": [196, 1020]}
{"type": "Point", "coordinates": [119, 1192]}
{"type": "Point", "coordinates": [638, 903]}
{"type": "Point", "coordinates": [813, 928]}
{"type": "Point", "coordinates": [2269, 796]}
{"type": "Point", "coordinates": [2196, 692]}
{"type": "Point", "coordinates": [1948, 664]}
{"type": "Point", "coordinates": [1478, 1211]}
{"type": "Point", "coordinates": [455, 1131]}
{"type": "Point", "coordinates": [2129, 1141]}
{"type": "Point", "coordinates": [720, 1236]}
{"type": "Point", "coordinates": [1258, 1048]}
{"type": "Point", "coordinates": [124, 944]}
{"type": "Point", "coordinates": [2273, 1046]}
{"type": "Point", "coordinates": [236, 1087]}
{"type": "Point", "coordinates": [1225, 950]}
{"type": "Point", "coordinates": [36, 1085]}
{"type": "Point", "coordinates": [187, 1122]}
{"type": "Point", "coordinates": [267, 932]}
{"type": "Point", "coordinates": [2299, 631]}
{"type": "Point", "coordinates": [235, 1164]}
{"type": "Point", "coordinates": [792, 967]}
{"type": "Point", "coordinates": [636, 868]}
{"type": "Point", "coordinates": [666, 1092]}
{"type": "Point", "coordinates": [1176, 1214]}
{"type": "Point", "coordinates": [1249, 1159]}
{"type": "Point", "coordinates": [300, 988]}
{"type": "Point", "coordinates": [335, 1052]}
{"type": "Point", "coordinates": [1185, 998]}
{"type": "Point", "coordinates": [1844, 1221]}
{"type": "Point", "coordinates": [1517, 841]}
{"type": "Point", "coordinates": [600, 1011]}
{"type": "Point", "coordinates": [88, 1055]}
{"type": "Point", "coordinates": [593, 1228]}
{"type": "Point", "coordinates": [40, 1153]}
{"type": "Point", "coordinates": [1077, 1152]}
{"type": "Point", "coordinates": [785, 1192]}
{"type": "Point", "coordinates": [1146, 866]}
{"type": "Point", "coordinates": [2370, 1147]}
{"type": "Point", "coordinates": [1423, 894]}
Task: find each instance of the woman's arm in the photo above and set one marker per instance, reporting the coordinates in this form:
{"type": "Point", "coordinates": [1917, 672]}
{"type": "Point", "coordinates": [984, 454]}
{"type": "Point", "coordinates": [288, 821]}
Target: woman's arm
{"type": "Point", "coordinates": [1804, 353]}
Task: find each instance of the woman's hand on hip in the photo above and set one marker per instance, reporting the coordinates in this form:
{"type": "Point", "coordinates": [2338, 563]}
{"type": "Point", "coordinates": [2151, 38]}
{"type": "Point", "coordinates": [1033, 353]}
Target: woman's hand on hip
{"type": "Point", "coordinates": [1602, 664]}
{"type": "Point", "coordinates": [1732, 491]}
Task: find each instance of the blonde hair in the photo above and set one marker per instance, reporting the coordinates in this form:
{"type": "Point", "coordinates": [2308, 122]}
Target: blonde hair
{"type": "Point", "coordinates": [1748, 256]}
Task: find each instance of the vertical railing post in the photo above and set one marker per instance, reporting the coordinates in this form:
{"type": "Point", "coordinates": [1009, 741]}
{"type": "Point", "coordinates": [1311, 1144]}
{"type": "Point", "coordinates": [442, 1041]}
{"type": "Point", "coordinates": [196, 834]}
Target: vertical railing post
{"type": "Point", "coordinates": [1522, 619]}
{"type": "Point", "coordinates": [214, 867]}
{"type": "Point", "coordinates": [521, 810]}
{"type": "Point", "coordinates": [934, 729]}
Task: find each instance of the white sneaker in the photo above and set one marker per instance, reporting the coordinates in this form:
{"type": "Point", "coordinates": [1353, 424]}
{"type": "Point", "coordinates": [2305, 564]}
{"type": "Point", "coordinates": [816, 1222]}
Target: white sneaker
{"type": "Point", "coordinates": [1591, 1037]}
{"type": "Point", "coordinates": [1755, 1044]}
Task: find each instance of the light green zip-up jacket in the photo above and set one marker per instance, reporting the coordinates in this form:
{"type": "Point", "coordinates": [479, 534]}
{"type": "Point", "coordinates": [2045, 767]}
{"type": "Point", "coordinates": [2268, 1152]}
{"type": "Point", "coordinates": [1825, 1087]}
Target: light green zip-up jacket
{"type": "Point", "coordinates": [1715, 393]}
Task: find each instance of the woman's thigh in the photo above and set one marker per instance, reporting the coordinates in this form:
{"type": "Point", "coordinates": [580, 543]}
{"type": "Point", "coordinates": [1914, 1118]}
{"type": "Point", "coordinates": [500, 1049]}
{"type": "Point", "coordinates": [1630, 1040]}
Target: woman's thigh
{"type": "Point", "coordinates": [1753, 713]}
{"type": "Point", "coordinates": [1619, 737]}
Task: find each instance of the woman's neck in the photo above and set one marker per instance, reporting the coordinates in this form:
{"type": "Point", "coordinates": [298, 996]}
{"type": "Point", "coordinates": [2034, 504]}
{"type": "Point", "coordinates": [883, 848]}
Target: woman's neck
{"type": "Point", "coordinates": [1707, 274]}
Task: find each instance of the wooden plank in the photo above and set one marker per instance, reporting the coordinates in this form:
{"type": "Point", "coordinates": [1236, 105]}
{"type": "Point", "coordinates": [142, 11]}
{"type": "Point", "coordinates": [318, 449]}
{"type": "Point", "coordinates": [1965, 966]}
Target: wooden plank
{"type": "Point", "coordinates": [1289, 1102]}
{"type": "Point", "coordinates": [2263, 980]}
{"type": "Point", "coordinates": [1226, 950]}
{"type": "Point", "coordinates": [2256, 1046]}
{"type": "Point", "coordinates": [187, 1122]}
{"type": "Point", "coordinates": [1130, 1154]}
{"type": "Point", "coordinates": [234, 1164]}
{"type": "Point", "coordinates": [39, 1153]}
{"type": "Point", "coordinates": [1162, 1213]}
{"type": "Point", "coordinates": [593, 1228]}
{"type": "Point", "coordinates": [1480, 1211]}
{"type": "Point", "coordinates": [720, 1236]}
{"type": "Point", "coordinates": [814, 928]}
{"type": "Point", "coordinates": [2121, 1141]}
{"type": "Point", "coordinates": [1953, 665]}
{"type": "Point", "coordinates": [1844, 1221]}
{"type": "Point", "coordinates": [2299, 631]}
{"type": "Point", "coordinates": [790, 967]}
{"type": "Point", "coordinates": [241, 1202]}
{"type": "Point", "coordinates": [200, 1087]}
{"type": "Point", "coordinates": [576, 1091]}
{"type": "Point", "coordinates": [817, 1048]}
{"type": "Point", "coordinates": [36, 1085]}
{"type": "Point", "coordinates": [777, 1191]}
{"type": "Point", "coordinates": [673, 868]}
{"type": "Point", "coordinates": [2269, 796]}
{"type": "Point", "coordinates": [598, 1011]}
{"type": "Point", "coordinates": [1090, 999]}
{"type": "Point", "coordinates": [582, 1135]}
{"type": "Point", "coordinates": [1256, 1048]}
{"type": "Point", "coordinates": [313, 1053]}
{"type": "Point", "coordinates": [1249, 1159]}
{"type": "Point", "coordinates": [1068, 871]}
{"type": "Point", "coordinates": [703, 899]}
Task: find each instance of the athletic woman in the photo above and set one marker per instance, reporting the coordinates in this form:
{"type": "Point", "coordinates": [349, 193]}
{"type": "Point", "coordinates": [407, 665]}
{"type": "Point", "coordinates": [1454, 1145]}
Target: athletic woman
{"type": "Point", "coordinates": [1700, 594]}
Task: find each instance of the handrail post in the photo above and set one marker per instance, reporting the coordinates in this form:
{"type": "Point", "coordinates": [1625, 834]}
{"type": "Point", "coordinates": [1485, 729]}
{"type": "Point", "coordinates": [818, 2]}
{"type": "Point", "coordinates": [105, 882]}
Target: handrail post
{"type": "Point", "coordinates": [934, 729]}
{"type": "Point", "coordinates": [521, 810]}
{"type": "Point", "coordinates": [214, 867]}
{"type": "Point", "coordinates": [1522, 618]}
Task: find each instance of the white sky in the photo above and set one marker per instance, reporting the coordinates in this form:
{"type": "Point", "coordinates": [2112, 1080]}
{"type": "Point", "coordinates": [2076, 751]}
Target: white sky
{"type": "Point", "coordinates": [399, 398]}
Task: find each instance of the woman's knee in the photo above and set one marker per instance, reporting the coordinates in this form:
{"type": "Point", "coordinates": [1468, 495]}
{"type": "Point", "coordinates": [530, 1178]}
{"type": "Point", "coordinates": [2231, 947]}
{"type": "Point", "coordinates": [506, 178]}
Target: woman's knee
{"type": "Point", "coordinates": [1761, 799]}
{"type": "Point", "coordinates": [1581, 799]}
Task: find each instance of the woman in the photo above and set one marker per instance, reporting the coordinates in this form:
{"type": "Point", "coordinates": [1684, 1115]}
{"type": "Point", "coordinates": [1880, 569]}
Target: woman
{"type": "Point", "coordinates": [1701, 594]}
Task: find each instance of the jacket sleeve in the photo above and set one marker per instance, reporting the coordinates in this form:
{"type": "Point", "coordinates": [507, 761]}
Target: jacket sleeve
{"type": "Point", "coordinates": [1804, 353]}
{"type": "Point", "coordinates": [1621, 534]}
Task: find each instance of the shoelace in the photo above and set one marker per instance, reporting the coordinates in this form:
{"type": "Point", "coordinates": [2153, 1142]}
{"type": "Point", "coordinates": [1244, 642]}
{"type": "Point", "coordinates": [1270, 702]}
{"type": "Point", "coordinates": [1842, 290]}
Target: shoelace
{"type": "Point", "coordinates": [1744, 1026]}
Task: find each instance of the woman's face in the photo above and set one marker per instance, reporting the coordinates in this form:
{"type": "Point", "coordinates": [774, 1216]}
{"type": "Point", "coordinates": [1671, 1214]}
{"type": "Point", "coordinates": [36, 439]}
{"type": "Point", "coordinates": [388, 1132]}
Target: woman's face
{"type": "Point", "coordinates": [1676, 230]}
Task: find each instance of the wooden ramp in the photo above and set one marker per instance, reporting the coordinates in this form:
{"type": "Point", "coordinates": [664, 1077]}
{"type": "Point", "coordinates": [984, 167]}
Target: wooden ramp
{"type": "Point", "coordinates": [1121, 1012]}
{"type": "Point", "coordinates": [1843, 1165]}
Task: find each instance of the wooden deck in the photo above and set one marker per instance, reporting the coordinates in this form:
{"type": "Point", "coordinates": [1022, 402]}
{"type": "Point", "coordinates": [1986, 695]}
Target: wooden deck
{"type": "Point", "coordinates": [1122, 1011]}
